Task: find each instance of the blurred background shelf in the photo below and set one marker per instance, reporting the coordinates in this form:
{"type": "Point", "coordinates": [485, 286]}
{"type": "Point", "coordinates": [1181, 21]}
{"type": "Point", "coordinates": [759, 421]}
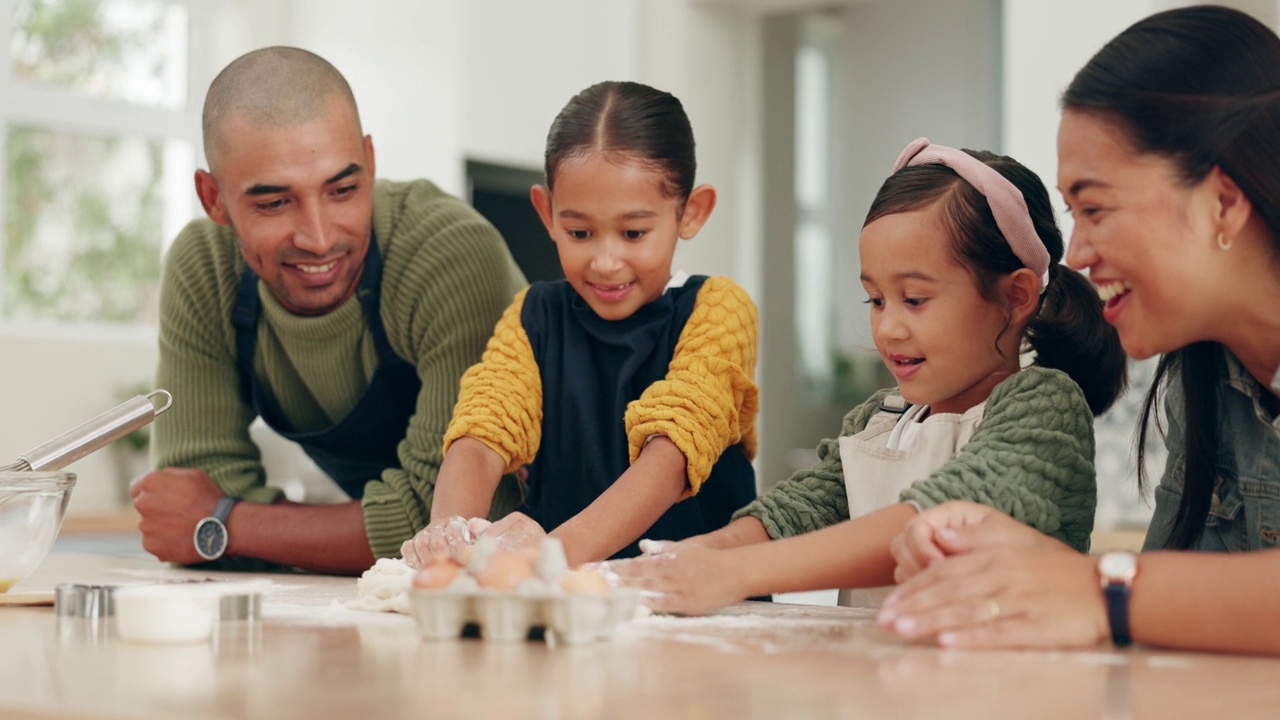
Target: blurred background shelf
{"type": "Point", "coordinates": [107, 532]}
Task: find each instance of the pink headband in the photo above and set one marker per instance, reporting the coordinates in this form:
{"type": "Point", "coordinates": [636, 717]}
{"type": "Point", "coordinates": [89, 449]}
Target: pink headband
{"type": "Point", "coordinates": [1007, 204]}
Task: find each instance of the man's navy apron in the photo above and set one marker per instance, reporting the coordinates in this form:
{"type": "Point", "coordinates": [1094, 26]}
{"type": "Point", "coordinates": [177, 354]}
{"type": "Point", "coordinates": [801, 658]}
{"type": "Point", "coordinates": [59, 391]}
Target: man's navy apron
{"type": "Point", "coordinates": [362, 444]}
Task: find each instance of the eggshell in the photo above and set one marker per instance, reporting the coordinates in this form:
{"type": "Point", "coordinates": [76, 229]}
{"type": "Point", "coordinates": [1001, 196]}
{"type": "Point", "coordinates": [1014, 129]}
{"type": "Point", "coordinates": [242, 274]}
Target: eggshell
{"type": "Point", "coordinates": [528, 553]}
{"type": "Point", "coordinates": [505, 570]}
{"type": "Point", "coordinates": [440, 573]}
{"type": "Point", "coordinates": [552, 565]}
{"type": "Point", "coordinates": [584, 582]}
{"type": "Point", "coordinates": [480, 552]}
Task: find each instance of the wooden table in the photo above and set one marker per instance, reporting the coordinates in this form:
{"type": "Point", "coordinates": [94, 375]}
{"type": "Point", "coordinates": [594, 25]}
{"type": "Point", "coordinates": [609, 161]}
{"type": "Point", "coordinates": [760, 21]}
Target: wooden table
{"type": "Point", "coordinates": [310, 657]}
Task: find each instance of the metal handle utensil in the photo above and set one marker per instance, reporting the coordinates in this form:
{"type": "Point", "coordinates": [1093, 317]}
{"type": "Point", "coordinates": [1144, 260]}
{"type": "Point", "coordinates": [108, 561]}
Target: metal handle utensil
{"type": "Point", "coordinates": [99, 432]}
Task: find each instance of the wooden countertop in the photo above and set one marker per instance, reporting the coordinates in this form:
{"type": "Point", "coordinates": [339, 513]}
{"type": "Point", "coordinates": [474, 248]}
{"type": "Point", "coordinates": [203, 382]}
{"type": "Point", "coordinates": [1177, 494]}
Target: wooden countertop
{"type": "Point", "coordinates": [310, 657]}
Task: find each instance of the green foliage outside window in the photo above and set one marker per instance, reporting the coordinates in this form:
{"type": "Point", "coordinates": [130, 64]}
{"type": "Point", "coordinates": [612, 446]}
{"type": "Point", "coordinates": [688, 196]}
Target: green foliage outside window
{"type": "Point", "coordinates": [78, 247]}
{"type": "Point", "coordinates": [83, 212]}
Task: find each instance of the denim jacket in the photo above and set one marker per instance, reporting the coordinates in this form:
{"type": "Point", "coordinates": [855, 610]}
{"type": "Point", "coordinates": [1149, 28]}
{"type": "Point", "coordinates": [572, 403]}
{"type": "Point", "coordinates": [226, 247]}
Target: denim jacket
{"type": "Point", "coordinates": [1245, 510]}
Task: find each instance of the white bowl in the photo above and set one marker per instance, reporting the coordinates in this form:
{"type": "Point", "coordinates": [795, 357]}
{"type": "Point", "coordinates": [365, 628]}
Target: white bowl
{"type": "Point", "coordinates": [32, 505]}
{"type": "Point", "coordinates": [172, 613]}
{"type": "Point", "coordinates": [175, 612]}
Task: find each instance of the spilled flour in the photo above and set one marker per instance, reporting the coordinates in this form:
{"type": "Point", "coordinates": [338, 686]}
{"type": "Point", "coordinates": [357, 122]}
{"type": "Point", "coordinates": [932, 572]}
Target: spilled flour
{"type": "Point", "coordinates": [776, 632]}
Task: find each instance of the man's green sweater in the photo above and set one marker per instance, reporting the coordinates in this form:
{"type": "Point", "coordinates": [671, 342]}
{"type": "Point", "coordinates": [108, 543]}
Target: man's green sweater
{"type": "Point", "coordinates": [447, 278]}
{"type": "Point", "coordinates": [1031, 457]}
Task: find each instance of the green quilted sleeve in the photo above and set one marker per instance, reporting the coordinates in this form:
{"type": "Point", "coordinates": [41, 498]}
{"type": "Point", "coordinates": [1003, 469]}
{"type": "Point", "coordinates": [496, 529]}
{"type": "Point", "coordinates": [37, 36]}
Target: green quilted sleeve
{"type": "Point", "coordinates": [813, 498]}
{"type": "Point", "coordinates": [1031, 457]}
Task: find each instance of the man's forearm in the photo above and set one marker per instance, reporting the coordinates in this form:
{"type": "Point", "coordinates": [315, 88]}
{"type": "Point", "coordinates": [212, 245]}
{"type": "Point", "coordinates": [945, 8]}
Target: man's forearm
{"type": "Point", "coordinates": [320, 538]}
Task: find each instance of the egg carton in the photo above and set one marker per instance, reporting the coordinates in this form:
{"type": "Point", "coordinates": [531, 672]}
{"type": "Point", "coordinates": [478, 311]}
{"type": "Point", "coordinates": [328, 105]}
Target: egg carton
{"type": "Point", "coordinates": [510, 616]}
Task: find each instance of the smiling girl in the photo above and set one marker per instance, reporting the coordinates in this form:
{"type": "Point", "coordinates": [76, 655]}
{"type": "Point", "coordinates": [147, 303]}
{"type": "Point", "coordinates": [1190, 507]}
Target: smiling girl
{"type": "Point", "coordinates": [626, 389]}
{"type": "Point", "coordinates": [959, 258]}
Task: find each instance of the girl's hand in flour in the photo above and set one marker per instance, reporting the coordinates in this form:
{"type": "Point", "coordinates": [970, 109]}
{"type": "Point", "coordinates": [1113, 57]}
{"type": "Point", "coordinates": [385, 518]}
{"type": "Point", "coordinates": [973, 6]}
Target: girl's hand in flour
{"type": "Point", "coordinates": [682, 578]}
{"type": "Point", "coordinates": [449, 537]}
{"type": "Point", "coordinates": [516, 531]}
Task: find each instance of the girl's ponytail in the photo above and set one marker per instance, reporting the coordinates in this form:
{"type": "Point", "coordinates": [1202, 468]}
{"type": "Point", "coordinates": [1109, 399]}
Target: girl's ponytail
{"type": "Point", "coordinates": [1069, 334]}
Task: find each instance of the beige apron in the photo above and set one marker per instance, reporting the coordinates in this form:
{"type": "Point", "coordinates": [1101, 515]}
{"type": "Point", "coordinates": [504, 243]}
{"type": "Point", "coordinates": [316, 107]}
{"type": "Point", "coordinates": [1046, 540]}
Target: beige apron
{"type": "Point", "coordinates": [875, 475]}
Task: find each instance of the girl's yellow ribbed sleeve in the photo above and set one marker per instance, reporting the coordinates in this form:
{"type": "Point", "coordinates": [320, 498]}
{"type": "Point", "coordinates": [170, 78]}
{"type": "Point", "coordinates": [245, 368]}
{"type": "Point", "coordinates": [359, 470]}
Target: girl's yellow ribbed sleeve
{"type": "Point", "coordinates": [500, 400]}
{"type": "Point", "coordinates": [708, 401]}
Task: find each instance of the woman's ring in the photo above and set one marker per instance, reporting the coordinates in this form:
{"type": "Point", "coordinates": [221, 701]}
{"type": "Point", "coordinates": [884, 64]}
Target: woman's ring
{"type": "Point", "coordinates": [995, 609]}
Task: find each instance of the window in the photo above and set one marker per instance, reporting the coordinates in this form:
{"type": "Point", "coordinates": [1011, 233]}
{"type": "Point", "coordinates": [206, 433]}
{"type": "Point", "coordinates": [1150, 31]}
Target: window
{"type": "Point", "coordinates": [815, 236]}
{"type": "Point", "coordinates": [100, 139]}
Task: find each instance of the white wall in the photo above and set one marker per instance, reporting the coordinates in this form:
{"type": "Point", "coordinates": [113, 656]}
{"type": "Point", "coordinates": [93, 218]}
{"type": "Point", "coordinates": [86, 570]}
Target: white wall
{"type": "Point", "coordinates": [519, 72]}
{"type": "Point", "coordinates": [1045, 44]}
{"type": "Point", "coordinates": [54, 381]}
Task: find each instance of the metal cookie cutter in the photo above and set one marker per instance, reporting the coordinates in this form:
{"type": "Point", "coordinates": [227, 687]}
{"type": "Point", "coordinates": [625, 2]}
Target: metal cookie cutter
{"type": "Point", "coordinates": [97, 601]}
{"type": "Point", "coordinates": [240, 607]}
{"type": "Point", "coordinates": [86, 601]}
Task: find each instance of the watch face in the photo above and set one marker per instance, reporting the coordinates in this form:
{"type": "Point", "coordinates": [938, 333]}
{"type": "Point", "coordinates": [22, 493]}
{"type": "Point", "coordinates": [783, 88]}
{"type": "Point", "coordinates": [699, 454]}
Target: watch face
{"type": "Point", "coordinates": [1118, 566]}
{"type": "Point", "coordinates": [211, 538]}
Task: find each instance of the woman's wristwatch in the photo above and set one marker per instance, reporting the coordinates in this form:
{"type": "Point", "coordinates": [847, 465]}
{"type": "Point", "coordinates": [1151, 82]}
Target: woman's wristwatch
{"type": "Point", "coordinates": [1117, 571]}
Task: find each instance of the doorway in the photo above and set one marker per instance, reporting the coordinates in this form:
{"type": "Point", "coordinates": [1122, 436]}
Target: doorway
{"type": "Point", "coordinates": [501, 194]}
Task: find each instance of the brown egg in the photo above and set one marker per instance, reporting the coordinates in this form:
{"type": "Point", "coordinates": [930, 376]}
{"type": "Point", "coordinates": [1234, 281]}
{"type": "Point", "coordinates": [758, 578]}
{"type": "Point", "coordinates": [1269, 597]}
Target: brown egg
{"type": "Point", "coordinates": [440, 572]}
{"type": "Point", "coordinates": [530, 554]}
{"type": "Point", "coordinates": [505, 570]}
{"type": "Point", "coordinates": [584, 582]}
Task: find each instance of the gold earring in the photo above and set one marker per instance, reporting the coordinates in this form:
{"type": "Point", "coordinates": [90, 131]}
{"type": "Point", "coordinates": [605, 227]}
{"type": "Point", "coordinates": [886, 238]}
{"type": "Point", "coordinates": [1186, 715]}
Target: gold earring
{"type": "Point", "coordinates": [1223, 243]}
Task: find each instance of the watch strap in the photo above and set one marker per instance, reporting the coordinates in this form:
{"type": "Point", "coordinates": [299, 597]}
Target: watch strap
{"type": "Point", "coordinates": [1117, 595]}
{"type": "Point", "coordinates": [223, 509]}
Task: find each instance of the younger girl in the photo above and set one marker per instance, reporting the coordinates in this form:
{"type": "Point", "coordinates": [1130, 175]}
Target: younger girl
{"type": "Point", "coordinates": [626, 391]}
{"type": "Point", "coordinates": [959, 259]}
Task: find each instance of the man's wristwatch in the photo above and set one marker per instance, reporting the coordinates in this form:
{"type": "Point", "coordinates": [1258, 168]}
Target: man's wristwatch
{"type": "Point", "coordinates": [211, 532]}
{"type": "Point", "coordinates": [1116, 571]}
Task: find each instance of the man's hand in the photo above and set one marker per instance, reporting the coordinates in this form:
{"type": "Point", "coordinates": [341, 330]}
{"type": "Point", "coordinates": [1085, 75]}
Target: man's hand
{"type": "Point", "coordinates": [171, 501]}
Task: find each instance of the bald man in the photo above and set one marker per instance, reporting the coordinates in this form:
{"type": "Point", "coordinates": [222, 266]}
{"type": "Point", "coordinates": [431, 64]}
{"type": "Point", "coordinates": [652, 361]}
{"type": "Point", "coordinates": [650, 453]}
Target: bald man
{"type": "Point", "coordinates": [341, 310]}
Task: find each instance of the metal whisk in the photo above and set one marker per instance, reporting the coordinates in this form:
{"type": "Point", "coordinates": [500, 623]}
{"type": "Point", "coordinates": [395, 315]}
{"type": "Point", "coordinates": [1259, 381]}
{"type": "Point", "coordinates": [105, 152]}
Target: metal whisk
{"type": "Point", "coordinates": [99, 432]}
